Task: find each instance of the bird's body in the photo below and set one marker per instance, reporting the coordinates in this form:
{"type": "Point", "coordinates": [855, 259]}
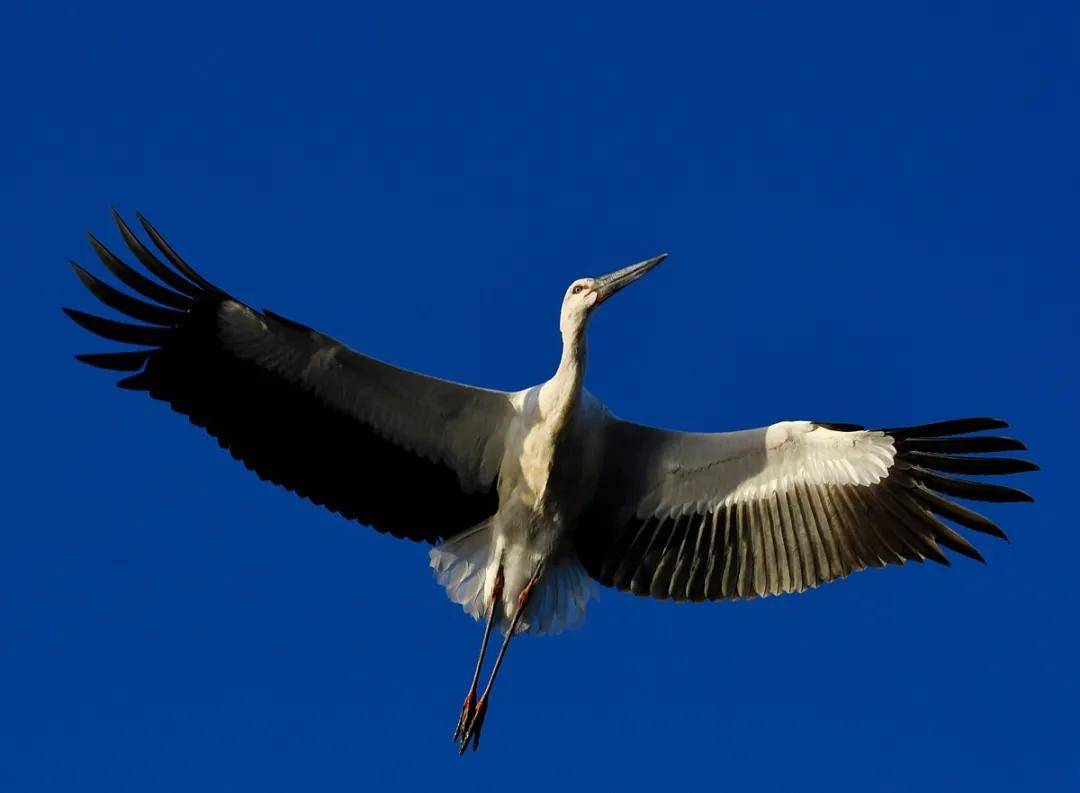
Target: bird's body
{"type": "Point", "coordinates": [528, 497]}
{"type": "Point", "coordinates": [548, 472]}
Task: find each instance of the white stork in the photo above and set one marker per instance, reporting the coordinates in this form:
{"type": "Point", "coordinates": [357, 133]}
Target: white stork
{"type": "Point", "coordinates": [529, 496]}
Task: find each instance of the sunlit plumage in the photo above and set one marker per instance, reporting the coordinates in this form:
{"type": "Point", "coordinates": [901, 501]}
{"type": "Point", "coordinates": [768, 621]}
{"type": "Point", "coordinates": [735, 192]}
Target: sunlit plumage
{"type": "Point", "coordinates": [529, 497]}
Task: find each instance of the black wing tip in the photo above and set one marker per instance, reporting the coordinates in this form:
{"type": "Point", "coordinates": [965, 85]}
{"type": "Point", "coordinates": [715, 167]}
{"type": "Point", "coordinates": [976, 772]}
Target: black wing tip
{"type": "Point", "coordinates": [968, 425]}
{"type": "Point", "coordinates": [147, 225]}
{"type": "Point", "coordinates": [947, 428]}
{"type": "Point", "coordinates": [177, 286]}
{"type": "Point", "coordinates": [986, 422]}
{"type": "Point", "coordinates": [123, 332]}
{"type": "Point", "coordinates": [955, 436]}
{"type": "Point", "coordinates": [163, 321]}
{"type": "Point", "coordinates": [170, 253]}
{"type": "Point", "coordinates": [97, 244]}
{"type": "Point", "coordinates": [115, 361]}
{"type": "Point", "coordinates": [950, 446]}
{"type": "Point", "coordinates": [121, 224]}
{"type": "Point", "coordinates": [1019, 466]}
{"type": "Point", "coordinates": [970, 489]}
{"type": "Point", "coordinates": [969, 464]}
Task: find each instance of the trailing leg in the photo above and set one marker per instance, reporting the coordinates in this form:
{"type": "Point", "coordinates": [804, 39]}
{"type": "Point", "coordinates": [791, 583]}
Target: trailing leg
{"type": "Point", "coordinates": [476, 723]}
{"type": "Point", "coordinates": [468, 709]}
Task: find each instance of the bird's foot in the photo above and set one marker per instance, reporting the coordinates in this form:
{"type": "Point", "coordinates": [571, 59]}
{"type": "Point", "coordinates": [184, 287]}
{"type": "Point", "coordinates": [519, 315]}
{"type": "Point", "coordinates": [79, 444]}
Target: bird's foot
{"type": "Point", "coordinates": [467, 711]}
{"type": "Point", "coordinates": [472, 729]}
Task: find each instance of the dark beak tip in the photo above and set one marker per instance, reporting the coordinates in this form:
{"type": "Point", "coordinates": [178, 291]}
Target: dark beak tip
{"type": "Point", "coordinates": [655, 261]}
{"type": "Point", "coordinates": [611, 283]}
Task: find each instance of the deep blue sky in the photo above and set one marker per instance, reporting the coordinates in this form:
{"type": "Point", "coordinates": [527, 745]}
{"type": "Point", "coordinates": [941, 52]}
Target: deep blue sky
{"type": "Point", "coordinates": [871, 211]}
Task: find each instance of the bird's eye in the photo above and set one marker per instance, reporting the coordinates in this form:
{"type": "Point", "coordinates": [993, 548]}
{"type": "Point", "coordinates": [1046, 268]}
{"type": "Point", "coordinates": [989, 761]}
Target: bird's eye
{"type": "Point", "coordinates": [577, 288]}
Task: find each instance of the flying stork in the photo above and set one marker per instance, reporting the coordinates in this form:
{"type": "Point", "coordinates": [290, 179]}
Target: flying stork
{"type": "Point", "coordinates": [528, 497]}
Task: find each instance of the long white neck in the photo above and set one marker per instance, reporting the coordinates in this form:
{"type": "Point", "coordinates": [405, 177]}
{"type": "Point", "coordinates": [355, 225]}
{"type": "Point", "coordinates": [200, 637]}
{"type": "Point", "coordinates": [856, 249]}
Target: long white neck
{"type": "Point", "coordinates": [561, 394]}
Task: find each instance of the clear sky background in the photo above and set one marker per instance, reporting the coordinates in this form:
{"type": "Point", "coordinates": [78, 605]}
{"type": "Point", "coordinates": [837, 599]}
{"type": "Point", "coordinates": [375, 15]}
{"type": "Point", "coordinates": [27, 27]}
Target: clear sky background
{"type": "Point", "coordinates": [871, 211]}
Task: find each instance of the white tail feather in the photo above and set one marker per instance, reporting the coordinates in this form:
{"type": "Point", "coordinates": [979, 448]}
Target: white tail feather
{"type": "Point", "coordinates": [559, 602]}
{"type": "Point", "coordinates": [463, 565]}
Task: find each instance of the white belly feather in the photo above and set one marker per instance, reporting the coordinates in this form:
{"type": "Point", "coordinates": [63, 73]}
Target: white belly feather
{"type": "Point", "coordinates": [527, 531]}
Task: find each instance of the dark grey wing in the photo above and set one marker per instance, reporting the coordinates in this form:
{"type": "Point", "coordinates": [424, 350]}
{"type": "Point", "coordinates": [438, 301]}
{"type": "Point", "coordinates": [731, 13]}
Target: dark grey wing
{"type": "Point", "coordinates": [411, 455]}
{"type": "Point", "coordinates": [783, 508]}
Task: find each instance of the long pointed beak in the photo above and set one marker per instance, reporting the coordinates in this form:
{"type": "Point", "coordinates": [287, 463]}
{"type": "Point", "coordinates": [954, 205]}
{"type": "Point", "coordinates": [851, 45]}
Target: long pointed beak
{"type": "Point", "coordinates": [607, 285]}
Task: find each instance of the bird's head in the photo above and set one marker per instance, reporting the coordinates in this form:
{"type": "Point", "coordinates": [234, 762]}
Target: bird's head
{"type": "Point", "coordinates": [585, 294]}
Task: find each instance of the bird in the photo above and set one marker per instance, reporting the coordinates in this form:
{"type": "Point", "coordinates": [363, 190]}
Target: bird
{"type": "Point", "coordinates": [530, 498]}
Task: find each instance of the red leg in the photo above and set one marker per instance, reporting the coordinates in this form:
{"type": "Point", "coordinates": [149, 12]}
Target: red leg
{"type": "Point", "coordinates": [476, 723]}
{"type": "Point", "coordinates": [468, 709]}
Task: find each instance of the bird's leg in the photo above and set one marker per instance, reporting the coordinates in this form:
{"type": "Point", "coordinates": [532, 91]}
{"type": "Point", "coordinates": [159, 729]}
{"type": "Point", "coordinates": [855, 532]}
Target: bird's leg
{"type": "Point", "coordinates": [476, 723]}
{"type": "Point", "coordinates": [469, 707]}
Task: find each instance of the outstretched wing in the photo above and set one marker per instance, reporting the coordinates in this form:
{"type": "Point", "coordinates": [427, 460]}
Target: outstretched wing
{"type": "Point", "coordinates": [786, 507]}
{"type": "Point", "coordinates": [412, 455]}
